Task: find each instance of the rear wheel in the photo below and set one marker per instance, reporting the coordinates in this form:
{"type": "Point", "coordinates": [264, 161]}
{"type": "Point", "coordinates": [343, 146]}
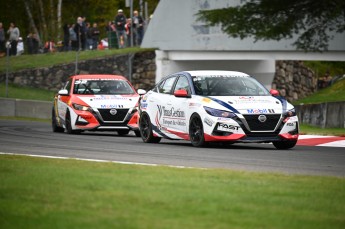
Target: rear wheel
{"type": "Point", "coordinates": [122, 132]}
{"type": "Point", "coordinates": [196, 131]}
{"type": "Point", "coordinates": [55, 127]}
{"type": "Point", "coordinates": [145, 128]}
{"type": "Point", "coordinates": [69, 125]}
{"type": "Point", "coordinates": [285, 144]}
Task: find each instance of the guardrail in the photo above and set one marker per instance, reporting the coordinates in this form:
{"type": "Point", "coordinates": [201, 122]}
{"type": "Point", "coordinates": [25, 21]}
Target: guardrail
{"type": "Point", "coordinates": [324, 115]}
{"type": "Point", "coordinates": [25, 108]}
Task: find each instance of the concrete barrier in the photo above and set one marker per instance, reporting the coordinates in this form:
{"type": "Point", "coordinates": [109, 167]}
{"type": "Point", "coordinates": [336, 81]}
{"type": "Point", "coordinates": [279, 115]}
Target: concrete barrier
{"type": "Point", "coordinates": [324, 115]}
{"type": "Point", "coordinates": [25, 108]}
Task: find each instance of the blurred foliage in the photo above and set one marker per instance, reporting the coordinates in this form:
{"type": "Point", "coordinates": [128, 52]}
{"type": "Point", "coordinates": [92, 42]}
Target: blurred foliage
{"type": "Point", "coordinates": [334, 68]}
{"type": "Point", "coordinates": [99, 11]}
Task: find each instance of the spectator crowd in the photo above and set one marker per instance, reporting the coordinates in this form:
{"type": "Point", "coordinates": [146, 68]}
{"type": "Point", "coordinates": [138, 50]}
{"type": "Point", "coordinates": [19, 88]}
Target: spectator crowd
{"type": "Point", "coordinates": [81, 35]}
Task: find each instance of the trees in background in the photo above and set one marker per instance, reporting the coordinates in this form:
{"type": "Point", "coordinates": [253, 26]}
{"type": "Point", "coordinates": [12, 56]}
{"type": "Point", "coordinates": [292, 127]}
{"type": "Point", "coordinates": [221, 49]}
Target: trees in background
{"type": "Point", "coordinates": [310, 20]}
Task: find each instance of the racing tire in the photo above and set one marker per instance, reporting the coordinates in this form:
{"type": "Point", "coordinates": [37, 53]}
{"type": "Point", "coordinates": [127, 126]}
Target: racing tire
{"type": "Point", "coordinates": [137, 133]}
{"type": "Point", "coordinates": [122, 132]}
{"type": "Point", "coordinates": [145, 128]}
{"type": "Point", "coordinates": [285, 144]}
{"type": "Point", "coordinates": [69, 129]}
{"type": "Point", "coordinates": [55, 127]}
{"type": "Point", "coordinates": [196, 131]}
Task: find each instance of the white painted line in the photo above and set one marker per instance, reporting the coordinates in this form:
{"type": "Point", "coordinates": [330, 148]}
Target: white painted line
{"type": "Point", "coordinates": [97, 160]}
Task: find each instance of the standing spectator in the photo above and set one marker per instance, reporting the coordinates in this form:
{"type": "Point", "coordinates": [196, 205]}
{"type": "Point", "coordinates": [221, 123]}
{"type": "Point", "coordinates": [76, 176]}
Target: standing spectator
{"type": "Point", "coordinates": [2, 40]}
{"type": "Point", "coordinates": [138, 26]}
{"type": "Point", "coordinates": [89, 41]}
{"type": "Point", "coordinates": [73, 38]}
{"type": "Point", "coordinates": [120, 22]}
{"type": "Point", "coordinates": [30, 43]}
{"type": "Point", "coordinates": [80, 32]}
{"type": "Point", "coordinates": [95, 36]}
{"type": "Point", "coordinates": [66, 40]}
{"type": "Point", "coordinates": [128, 28]}
{"type": "Point", "coordinates": [36, 43]}
{"type": "Point", "coordinates": [20, 46]}
{"type": "Point", "coordinates": [14, 33]}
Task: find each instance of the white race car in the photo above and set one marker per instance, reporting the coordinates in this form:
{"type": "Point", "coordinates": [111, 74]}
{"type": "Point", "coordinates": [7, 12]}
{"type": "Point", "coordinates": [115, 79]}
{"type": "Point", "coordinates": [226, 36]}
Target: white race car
{"type": "Point", "coordinates": [216, 106]}
{"type": "Point", "coordinates": [96, 103]}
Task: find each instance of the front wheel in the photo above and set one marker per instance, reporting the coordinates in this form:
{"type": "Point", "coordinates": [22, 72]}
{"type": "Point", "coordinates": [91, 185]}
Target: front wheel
{"type": "Point", "coordinates": [285, 144]}
{"type": "Point", "coordinates": [196, 131]}
{"type": "Point", "coordinates": [55, 126]}
{"type": "Point", "coordinates": [69, 129]}
{"type": "Point", "coordinates": [145, 128]}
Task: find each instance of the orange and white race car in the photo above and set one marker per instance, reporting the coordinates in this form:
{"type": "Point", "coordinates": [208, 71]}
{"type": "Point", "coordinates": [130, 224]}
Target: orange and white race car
{"type": "Point", "coordinates": [96, 103]}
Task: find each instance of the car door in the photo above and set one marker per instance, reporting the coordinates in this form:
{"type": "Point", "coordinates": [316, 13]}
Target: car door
{"type": "Point", "coordinates": [163, 105]}
{"type": "Point", "coordinates": [180, 105]}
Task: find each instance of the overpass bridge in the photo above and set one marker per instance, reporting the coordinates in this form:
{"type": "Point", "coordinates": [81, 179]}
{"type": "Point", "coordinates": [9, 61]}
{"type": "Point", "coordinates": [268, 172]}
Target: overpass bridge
{"type": "Point", "coordinates": [183, 43]}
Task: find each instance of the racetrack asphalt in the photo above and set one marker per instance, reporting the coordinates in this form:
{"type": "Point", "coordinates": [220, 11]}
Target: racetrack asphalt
{"type": "Point", "coordinates": [37, 138]}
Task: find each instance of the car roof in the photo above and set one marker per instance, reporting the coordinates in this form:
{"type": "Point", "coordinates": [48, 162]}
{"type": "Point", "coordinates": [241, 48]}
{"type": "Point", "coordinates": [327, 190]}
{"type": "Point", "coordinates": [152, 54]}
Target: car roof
{"type": "Point", "coordinates": [215, 72]}
{"type": "Point", "coordinates": [99, 76]}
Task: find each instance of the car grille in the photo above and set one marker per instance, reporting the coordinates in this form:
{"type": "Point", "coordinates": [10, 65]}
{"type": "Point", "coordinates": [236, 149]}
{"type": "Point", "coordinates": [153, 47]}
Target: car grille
{"type": "Point", "coordinates": [269, 125]}
{"type": "Point", "coordinates": [118, 117]}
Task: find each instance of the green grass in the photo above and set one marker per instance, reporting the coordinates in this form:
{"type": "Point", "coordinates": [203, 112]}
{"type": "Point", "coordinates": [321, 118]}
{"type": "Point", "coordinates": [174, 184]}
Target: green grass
{"type": "Point", "coordinates": [19, 92]}
{"type": "Point", "coordinates": [46, 193]}
{"type": "Point", "coordinates": [49, 59]}
{"type": "Point", "coordinates": [334, 93]}
{"type": "Point", "coordinates": [308, 129]}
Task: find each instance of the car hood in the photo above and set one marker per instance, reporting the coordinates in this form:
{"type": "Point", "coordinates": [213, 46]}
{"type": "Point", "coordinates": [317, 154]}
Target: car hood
{"type": "Point", "coordinates": [249, 104]}
{"type": "Point", "coordinates": [110, 101]}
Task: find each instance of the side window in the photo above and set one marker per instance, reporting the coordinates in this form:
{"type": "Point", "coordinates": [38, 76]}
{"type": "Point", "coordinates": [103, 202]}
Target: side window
{"type": "Point", "coordinates": [166, 86]}
{"type": "Point", "coordinates": [182, 83]}
{"type": "Point", "coordinates": [68, 85]}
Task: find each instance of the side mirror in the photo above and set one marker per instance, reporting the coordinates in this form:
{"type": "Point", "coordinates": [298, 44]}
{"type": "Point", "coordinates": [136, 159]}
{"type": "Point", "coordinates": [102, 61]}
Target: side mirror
{"type": "Point", "coordinates": [182, 93]}
{"type": "Point", "coordinates": [141, 92]}
{"type": "Point", "coordinates": [274, 92]}
{"type": "Point", "coordinates": [63, 92]}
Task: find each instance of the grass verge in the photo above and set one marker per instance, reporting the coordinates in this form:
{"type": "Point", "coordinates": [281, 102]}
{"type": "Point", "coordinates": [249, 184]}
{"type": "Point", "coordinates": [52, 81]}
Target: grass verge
{"type": "Point", "coordinates": [19, 92]}
{"type": "Point", "coordinates": [46, 193]}
{"type": "Point", "coordinates": [308, 129]}
{"type": "Point", "coordinates": [49, 59]}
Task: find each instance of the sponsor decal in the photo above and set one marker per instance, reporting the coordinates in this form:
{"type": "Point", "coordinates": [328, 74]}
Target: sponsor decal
{"type": "Point", "coordinates": [174, 122]}
{"type": "Point", "coordinates": [194, 104]}
{"type": "Point", "coordinates": [290, 124]}
{"type": "Point", "coordinates": [206, 100]}
{"type": "Point", "coordinates": [260, 111]}
{"type": "Point", "coordinates": [109, 97]}
{"type": "Point", "coordinates": [172, 112]}
{"type": "Point", "coordinates": [246, 97]}
{"type": "Point", "coordinates": [227, 127]}
{"type": "Point", "coordinates": [223, 119]}
{"type": "Point", "coordinates": [111, 106]}
{"type": "Point", "coordinates": [208, 121]}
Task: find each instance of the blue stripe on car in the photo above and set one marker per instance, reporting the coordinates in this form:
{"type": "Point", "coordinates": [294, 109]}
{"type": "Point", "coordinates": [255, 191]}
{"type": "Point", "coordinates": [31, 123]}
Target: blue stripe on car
{"type": "Point", "coordinates": [224, 104]}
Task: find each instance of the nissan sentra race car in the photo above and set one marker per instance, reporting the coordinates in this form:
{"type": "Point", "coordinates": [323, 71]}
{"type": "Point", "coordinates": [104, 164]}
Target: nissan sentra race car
{"type": "Point", "coordinates": [216, 106]}
{"type": "Point", "coordinates": [96, 103]}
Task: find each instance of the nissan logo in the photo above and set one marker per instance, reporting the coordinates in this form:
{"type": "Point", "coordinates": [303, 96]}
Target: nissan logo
{"type": "Point", "coordinates": [262, 118]}
{"type": "Point", "coordinates": [113, 111]}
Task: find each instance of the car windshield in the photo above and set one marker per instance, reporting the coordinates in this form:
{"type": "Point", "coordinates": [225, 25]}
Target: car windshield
{"type": "Point", "coordinates": [102, 87]}
{"type": "Point", "coordinates": [225, 85]}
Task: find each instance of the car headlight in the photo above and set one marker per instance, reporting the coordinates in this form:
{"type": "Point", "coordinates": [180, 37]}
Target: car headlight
{"type": "Point", "coordinates": [290, 113]}
{"type": "Point", "coordinates": [219, 113]}
{"type": "Point", "coordinates": [80, 107]}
